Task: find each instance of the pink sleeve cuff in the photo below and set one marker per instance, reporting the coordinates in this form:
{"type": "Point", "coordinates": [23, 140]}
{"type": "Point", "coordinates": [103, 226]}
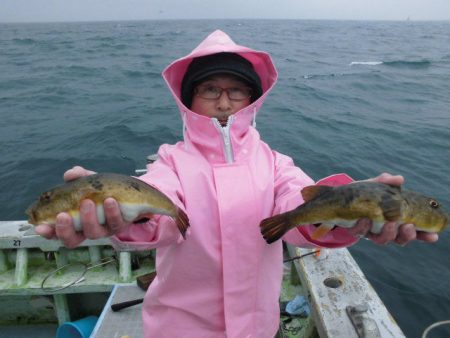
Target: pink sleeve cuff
{"type": "Point", "coordinates": [157, 232]}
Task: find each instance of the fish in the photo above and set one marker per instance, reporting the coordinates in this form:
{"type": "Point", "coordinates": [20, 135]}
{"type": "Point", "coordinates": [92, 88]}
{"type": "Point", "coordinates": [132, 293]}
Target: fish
{"type": "Point", "coordinates": [137, 200]}
{"type": "Point", "coordinates": [327, 207]}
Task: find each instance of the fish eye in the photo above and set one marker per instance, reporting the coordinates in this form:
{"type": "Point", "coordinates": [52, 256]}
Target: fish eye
{"type": "Point", "coordinates": [434, 204]}
{"type": "Point", "coordinates": [45, 197]}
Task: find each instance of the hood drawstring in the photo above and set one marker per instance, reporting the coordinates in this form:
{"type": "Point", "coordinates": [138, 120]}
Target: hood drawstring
{"type": "Point", "coordinates": [254, 118]}
{"type": "Point", "coordinates": [185, 138]}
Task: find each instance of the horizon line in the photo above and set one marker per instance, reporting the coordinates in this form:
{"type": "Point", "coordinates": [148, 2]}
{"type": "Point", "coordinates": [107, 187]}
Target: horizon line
{"type": "Point", "coordinates": [408, 19]}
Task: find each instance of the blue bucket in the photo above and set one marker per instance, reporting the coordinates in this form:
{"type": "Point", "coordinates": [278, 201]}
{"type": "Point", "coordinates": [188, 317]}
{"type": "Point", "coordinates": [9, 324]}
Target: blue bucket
{"type": "Point", "coordinates": [81, 328]}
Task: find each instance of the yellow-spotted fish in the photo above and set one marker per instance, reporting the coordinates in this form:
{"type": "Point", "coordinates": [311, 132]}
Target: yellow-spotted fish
{"type": "Point", "coordinates": [136, 200]}
{"type": "Point", "coordinates": [344, 205]}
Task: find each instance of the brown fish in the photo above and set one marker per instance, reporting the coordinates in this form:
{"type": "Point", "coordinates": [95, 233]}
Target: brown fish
{"type": "Point", "coordinates": [344, 205]}
{"type": "Point", "coordinates": [136, 200]}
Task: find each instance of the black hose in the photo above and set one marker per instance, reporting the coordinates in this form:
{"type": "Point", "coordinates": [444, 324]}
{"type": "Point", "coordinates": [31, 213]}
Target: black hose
{"type": "Point", "coordinates": [123, 305]}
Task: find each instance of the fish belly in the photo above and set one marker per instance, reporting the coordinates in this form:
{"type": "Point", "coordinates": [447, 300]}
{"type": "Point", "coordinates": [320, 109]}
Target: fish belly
{"type": "Point", "coordinates": [77, 221]}
{"type": "Point", "coordinates": [376, 227]}
{"type": "Point", "coordinates": [130, 211]}
{"type": "Point", "coordinates": [345, 223]}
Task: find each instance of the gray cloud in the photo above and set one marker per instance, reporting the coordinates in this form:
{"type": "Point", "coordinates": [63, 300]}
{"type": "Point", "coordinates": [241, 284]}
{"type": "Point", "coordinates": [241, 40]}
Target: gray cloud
{"type": "Point", "coordinates": [95, 10]}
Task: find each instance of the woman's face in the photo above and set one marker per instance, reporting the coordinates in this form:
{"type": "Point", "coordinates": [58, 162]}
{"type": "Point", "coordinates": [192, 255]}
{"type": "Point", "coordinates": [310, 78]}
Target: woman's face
{"type": "Point", "coordinates": [212, 97]}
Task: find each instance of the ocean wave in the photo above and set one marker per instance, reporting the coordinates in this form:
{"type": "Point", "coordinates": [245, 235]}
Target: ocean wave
{"type": "Point", "coordinates": [81, 70]}
{"type": "Point", "coordinates": [408, 64]}
{"type": "Point", "coordinates": [112, 46]}
{"type": "Point", "coordinates": [395, 63]}
{"type": "Point", "coordinates": [141, 74]}
{"type": "Point", "coordinates": [324, 76]}
{"type": "Point", "coordinates": [366, 63]}
{"type": "Point", "coordinates": [23, 41]}
{"type": "Point", "coordinates": [101, 38]}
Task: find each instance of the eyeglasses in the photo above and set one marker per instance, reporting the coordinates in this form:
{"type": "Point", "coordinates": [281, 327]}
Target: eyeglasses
{"type": "Point", "coordinates": [210, 92]}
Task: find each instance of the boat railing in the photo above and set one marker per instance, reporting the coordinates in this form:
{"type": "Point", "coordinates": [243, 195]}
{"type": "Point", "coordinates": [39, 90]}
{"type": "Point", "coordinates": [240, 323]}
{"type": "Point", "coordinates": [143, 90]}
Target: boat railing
{"type": "Point", "coordinates": [31, 265]}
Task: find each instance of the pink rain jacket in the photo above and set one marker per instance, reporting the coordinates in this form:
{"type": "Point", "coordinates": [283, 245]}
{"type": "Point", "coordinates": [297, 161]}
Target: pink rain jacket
{"type": "Point", "coordinates": [224, 280]}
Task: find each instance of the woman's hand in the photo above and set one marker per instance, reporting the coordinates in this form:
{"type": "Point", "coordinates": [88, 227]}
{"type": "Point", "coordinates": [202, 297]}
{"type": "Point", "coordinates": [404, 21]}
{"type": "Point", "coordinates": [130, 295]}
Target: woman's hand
{"type": "Point", "coordinates": [64, 229]}
{"type": "Point", "coordinates": [391, 232]}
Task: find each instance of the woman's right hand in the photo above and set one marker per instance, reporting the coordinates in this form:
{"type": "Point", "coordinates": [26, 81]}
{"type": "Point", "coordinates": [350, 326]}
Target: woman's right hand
{"type": "Point", "coordinates": [64, 229]}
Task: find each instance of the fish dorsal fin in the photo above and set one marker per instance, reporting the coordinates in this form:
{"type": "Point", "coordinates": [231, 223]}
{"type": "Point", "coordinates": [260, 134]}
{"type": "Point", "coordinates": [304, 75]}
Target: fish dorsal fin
{"type": "Point", "coordinates": [313, 191]}
{"type": "Point", "coordinates": [396, 187]}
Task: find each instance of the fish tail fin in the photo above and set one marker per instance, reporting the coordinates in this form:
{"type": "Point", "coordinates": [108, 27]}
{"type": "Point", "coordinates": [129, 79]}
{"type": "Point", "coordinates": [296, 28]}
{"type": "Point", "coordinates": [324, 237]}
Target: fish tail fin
{"type": "Point", "coordinates": [321, 231]}
{"type": "Point", "coordinates": [273, 228]}
{"type": "Point", "coordinates": [182, 222]}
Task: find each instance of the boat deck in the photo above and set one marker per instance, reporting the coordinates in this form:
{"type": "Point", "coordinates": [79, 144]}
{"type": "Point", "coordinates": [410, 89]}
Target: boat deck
{"type": "Point", "coordinates": [342, 301]}
{"type": "Point", "coordinates": [128, 322]}
{"type": "Point", "coordinates": [27, 331]}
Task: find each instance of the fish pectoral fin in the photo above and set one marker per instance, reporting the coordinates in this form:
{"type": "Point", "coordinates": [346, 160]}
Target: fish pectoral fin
{"type": "Point", "coordinates": [321, 231]}
{"type": "Point", "coordinates": [143, 218]}
{"type": "Point", "coordinates": [312, 191]}
{"type": "Point", "coordinates": [391, 207]}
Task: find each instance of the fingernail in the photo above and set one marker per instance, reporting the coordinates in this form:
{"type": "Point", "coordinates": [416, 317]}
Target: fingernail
{"type": "Point", "coordinates": [85, 208]}
{"type": "Point", "coordinates": [109, 204]}
{"type": "Point", "coordinates": [60, 219]}
{"type": "Point", "coordinates": [391, 225]}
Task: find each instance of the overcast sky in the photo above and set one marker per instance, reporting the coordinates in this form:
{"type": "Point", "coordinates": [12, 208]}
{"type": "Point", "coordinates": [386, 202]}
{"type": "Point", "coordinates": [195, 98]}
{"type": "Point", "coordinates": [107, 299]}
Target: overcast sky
{"type": "Point", "coordinates": [99, 10]}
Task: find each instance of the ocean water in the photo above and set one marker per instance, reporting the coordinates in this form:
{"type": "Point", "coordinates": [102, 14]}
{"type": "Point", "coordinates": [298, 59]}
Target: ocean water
{"type": "Point", "coordinates": [354, 97]}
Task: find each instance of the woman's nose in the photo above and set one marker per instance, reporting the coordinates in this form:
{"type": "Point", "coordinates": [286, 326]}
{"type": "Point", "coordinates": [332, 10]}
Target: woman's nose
{"type": "Point", "coordinates": [223, 102]}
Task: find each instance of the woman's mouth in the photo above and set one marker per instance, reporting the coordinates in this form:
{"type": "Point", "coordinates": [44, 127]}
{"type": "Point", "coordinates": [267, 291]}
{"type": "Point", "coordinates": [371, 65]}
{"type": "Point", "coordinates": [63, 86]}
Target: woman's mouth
{"type": "Point", "coordinates": [222, 120]}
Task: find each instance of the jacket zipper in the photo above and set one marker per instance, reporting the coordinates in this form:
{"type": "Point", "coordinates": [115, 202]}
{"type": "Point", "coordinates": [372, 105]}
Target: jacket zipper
{"type": "Point", "coordinates": [225, 132]}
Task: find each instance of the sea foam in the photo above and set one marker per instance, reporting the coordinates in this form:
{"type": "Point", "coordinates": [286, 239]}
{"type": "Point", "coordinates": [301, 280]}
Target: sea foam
{"type": "Point", "coordinates": [366, 63]}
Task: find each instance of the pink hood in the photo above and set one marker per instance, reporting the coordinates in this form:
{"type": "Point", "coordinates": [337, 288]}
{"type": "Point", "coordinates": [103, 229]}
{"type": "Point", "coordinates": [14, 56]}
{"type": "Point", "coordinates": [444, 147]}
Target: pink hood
{"type": "Point", "coordinates": [201, 130]}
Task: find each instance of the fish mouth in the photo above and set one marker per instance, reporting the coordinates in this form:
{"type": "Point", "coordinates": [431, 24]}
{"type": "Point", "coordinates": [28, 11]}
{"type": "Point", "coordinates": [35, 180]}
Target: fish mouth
{"type": "Point", "coordinates": [31, 215]}
{"type": "Point", "coordinates": [445, 223]}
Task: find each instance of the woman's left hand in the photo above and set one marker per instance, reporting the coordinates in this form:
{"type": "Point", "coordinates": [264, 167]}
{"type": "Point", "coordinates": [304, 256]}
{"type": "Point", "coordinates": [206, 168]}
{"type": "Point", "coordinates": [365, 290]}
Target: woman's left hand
{"type": "Point", "coordinates": [391, 232]}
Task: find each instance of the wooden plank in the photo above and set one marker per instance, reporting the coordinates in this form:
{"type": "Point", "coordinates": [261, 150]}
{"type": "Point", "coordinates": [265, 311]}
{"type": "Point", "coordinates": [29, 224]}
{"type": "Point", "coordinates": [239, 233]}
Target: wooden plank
{"type": "Point", "coordinates": [125, 275]}
{"type": "Point", "coordinates": [61, 308]}
{"type": "Point", "coordinates": [347, 286]}
{"type": "Point", "coordinates": [21, 272]}
{"type": "Point", "coordinates": [4, 266]}
{"type": "Point", "coordinates": [19, 244]}
{"type": "Point", "coordinates": [21, 234]}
